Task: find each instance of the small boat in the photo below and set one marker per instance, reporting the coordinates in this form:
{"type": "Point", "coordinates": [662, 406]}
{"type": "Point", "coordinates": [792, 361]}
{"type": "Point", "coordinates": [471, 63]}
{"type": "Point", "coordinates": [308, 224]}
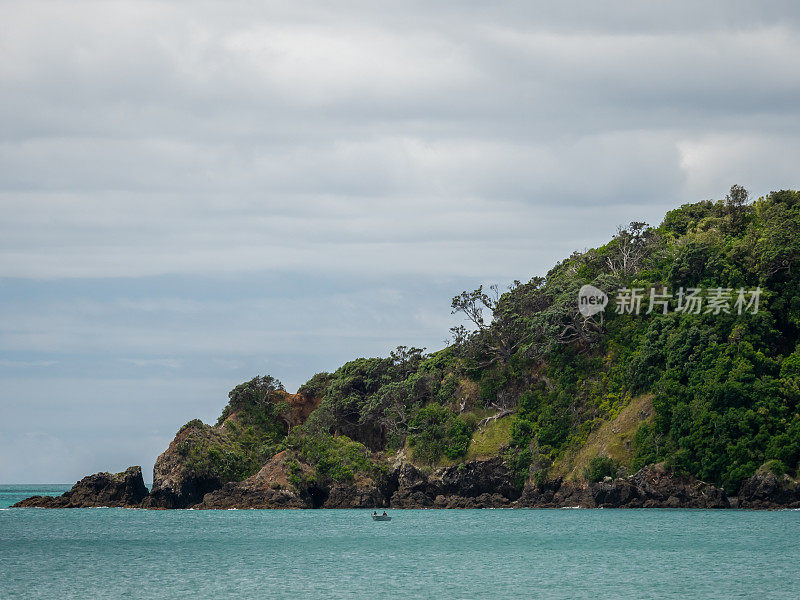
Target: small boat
{"type": "Point", "coordinates": [381, 518]}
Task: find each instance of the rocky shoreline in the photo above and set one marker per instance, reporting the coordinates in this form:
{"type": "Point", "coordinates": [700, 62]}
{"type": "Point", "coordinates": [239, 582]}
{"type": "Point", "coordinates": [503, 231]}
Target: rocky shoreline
{"type": "Point", "coordinates": [476, 484]}
{"type": "Point", "coordinates": [125, 490]}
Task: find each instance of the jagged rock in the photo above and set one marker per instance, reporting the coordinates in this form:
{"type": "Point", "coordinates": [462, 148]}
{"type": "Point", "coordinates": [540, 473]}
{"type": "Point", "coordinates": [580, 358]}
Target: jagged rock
{"type": "Point", "coordinates": [412, 488]}
{"type": "Point", "coordinates": [651, 487]}
{"type": "Point", "coordinates": [271, 487]}
{"type": "Point", "coordinates": [124, 489]}
{"type": "Point", "coordinates": [767, 490]}
{"type": "Point", "coordinates": [242, 495]}
{"type": "Point", "coordinates": [539, 493]}
{"type": "Point", "coordinates": [175, 485]}
{"type": "Point", "coordinates": [474, 484]}
{"type": "Point", "coordinates": [474, 478]}
{"type": "Point", "coordinates": [660, 486]}
{"type": "Point", "coordinates": [363, 494]}
{"type": "Point", "coordinates": [622, 493]}
{"type": "Point", "coordinates": [485, 500]}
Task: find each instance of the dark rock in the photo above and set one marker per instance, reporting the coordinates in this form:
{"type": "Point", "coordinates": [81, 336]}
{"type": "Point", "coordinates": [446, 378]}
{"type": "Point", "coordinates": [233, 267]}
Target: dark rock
{"type": "Point", "coordinates": [767, 490]}
{"type": "Point", "coordinates": [665, 489]}
{"type": "Point", "coordinates": [243, 495]}
{"type": "Point", "coordinates": [124, 489]}
{"type": "Point", "coordinates": [413, 488]}
{"type": "Point", "coordinates": [651, 487]}
{"type": "Point", "coordinates": [355, 495]}
{"type": "Point", "coordinates": [474, 478]}
{"type": "Point", "coordinates": [474, 484]}
{"type": "Point", "coordinates": [175, 485]}
{"type": "Point", "coordinates": [271, 487]}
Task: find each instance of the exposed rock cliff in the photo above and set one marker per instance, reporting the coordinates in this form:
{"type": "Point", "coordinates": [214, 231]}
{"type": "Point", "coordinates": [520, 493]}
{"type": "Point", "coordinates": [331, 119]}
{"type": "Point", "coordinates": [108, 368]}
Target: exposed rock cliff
{"type": "Point", "coordinates": [651, 487]}
{"type": "Point", "coordinates": [286, 481]}
{"type": "Point", "coordinates": [474, 484]}
{"type": "Point", "coordinates": [175, 484]}
{"type": "Point", "coordinates": [271, 487]}
{"type": "Point", "coordinates": [767, 490]}
{"type": "Point", "coordinates": [124, 489]}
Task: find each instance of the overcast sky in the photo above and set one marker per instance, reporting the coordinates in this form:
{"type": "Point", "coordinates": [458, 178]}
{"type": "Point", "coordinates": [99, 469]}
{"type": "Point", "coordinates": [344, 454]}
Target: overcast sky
{"type": "Point", "coordinates": [195, 193]}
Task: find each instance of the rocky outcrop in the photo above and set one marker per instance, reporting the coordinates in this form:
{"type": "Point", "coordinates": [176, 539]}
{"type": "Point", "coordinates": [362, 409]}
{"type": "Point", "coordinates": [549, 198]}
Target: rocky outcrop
{"type": "Point", "coordinates": [413, 489]}
{"type": "Point", "coordinates": [124, 489]}
{"type": "Point", "coordinates": [652, 487]}
{"type": "Point", "coordinates": [484, 500]}
{"type": "Point", "coordinates": [360, 494]}
{"type": "Point", "coordinates": [286, 481]}
{"type": "Point", "coordinates": [176, 485]}
{"type": "Point", "coordinates": [301, 405]}
{"type": "Point", "coordinates": [476, 478]}
{"type": "Point", "coordinates": [271, 487]}
{"type": "Point", "coordinates": [768, 490]}
{"type": "Point", "coordinates": [664, 489]}
{"type": "Point", "coordinates": [475, 484]}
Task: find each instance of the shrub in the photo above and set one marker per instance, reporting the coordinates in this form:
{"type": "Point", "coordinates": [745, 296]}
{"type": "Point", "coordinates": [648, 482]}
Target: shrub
{"type": "Point", "coordinates": [776, 467]}
{"type": "Point", "coordinates": [336, 457]}
{"type": "Point", "coordinates": [438, 431]}
{"type": "Point", "coordinates": [601, 467]}
{"type": "Point", "coordinates": [191, 424]}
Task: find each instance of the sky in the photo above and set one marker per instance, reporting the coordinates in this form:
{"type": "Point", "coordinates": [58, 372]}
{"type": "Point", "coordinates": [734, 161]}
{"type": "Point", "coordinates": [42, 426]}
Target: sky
{"type": "Point", "coordinates": [195, 193]}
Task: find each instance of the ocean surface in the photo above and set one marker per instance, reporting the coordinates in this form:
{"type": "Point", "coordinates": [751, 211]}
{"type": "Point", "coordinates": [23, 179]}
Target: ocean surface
{"type": "Point", "coordinates": [108, 553]}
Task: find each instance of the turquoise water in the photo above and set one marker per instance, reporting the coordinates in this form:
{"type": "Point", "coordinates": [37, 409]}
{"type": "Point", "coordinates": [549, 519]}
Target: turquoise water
{"type": "Point", "coordinates": [11, 494]}
{"type": "Point", "coordinates": [471, 554]}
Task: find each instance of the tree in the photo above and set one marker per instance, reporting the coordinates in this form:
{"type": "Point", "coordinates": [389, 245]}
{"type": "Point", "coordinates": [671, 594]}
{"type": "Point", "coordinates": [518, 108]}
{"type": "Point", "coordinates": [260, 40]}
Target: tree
{"type": "Point", "coordinates": [255, 395]}
{"type": "Point", "coordinates": [497, 340]}
{"type": "Point", "coordinates": [629, 247]}
{"type": "Point", "coordinates": [735, 208]}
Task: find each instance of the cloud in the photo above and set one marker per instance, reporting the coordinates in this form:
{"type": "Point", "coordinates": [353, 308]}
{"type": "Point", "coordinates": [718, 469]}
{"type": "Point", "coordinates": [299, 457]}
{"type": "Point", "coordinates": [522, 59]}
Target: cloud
{"type": "Point", "coordinates": [166, 363]}
{"type": "Point", "coordinates": [217, 190]}
{"type": "Point", "coordinates": [24, 364]}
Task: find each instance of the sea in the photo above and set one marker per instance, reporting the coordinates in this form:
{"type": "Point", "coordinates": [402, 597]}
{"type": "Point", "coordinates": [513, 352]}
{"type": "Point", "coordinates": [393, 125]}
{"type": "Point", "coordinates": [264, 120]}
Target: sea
{"type": "Point", "coordinates": [109, 553]}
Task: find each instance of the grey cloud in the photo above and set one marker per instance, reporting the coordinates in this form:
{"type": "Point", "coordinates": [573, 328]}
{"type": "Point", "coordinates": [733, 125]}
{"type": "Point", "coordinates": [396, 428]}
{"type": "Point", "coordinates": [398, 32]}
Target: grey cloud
{"type": "Point", "coordinates": [211, 189]}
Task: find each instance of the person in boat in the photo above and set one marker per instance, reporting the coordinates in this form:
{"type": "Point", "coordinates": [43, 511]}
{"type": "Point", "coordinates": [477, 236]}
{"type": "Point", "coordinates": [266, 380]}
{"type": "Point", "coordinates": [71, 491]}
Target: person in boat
{"type": "Point", "coordinates": [384, 513]}
{"type": "Point", "coordinates": [375, 514]}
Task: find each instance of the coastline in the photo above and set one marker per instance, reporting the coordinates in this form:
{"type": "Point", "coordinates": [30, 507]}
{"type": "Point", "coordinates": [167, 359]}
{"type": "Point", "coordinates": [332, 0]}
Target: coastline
{"type": "Point", "coordinates": [484, 484]}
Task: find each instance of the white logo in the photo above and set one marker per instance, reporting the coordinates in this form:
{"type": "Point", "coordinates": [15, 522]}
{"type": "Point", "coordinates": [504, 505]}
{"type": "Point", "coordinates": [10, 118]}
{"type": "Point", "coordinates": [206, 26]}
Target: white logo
{"type": "Point", "coordinates": [591, 300]}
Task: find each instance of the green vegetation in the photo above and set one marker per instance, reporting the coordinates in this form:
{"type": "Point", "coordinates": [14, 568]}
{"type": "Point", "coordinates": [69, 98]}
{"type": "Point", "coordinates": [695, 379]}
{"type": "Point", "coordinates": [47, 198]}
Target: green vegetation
{"type": "Point", "coordinates": [438, 431]}
{"type": "Point", "coordinates": [776, 467]}
{"type": "Point", "coordinates": [723, 400]}
{"type": "Point", "coordinates": [601, 467]}
{"type": "Point", "coordinates": [490, 439]}
{"type": "Point", "coordinates": [246, 436]}
{"type": "Point", "coordinates": [722, 386]}
{"type": "Point", "coordinates": [337, 457]}
{"type": "Point", "coordinates": [373, 400]}
{"type": "Point", "coordinates": [613, 438]}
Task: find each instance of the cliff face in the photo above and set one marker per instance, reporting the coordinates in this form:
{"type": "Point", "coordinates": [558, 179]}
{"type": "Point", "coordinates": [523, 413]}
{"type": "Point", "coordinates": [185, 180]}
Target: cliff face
{"type": "Point", "coordinates": [651, 487]}
{"type": "Point", "coordinates": [175, 483]}
{"type": "Point", "coordinates": [192, 466]}
{"type": "Point", "coordinates": [269, 488]}
{"type": "Point", "coordinates": [124, 489]}
{"type": "Point", "coordinates": [301, 405]}
{"type": "Point", "coordinates": [286, 481]}
{"type": "Point", "coordinates": [767, 490]}
{"type": "Point", "coordinates": [475, 484]}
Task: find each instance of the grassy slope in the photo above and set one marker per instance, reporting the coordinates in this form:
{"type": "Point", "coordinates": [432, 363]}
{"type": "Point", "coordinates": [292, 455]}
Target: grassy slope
{"type": "Point", "coordinates": [487, 441]}
{"type": "Point", "coordinates": [612, 438]}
